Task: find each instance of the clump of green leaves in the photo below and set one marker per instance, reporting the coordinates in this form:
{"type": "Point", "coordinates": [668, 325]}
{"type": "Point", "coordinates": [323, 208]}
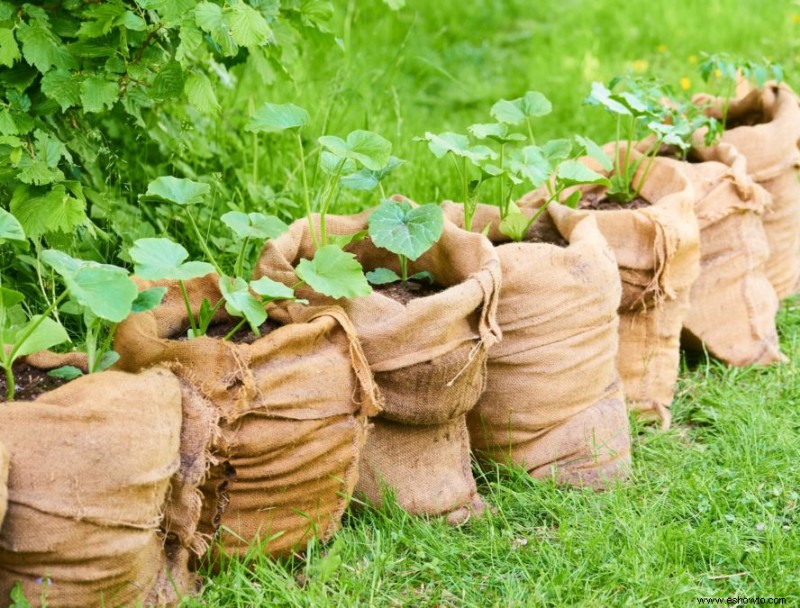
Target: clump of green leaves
{"type": "Point", "coordinates": [406, 231]}
{"type": "Point", "coordinates": [641, 115]}
{"type": "Point", "coordinates": [725, 71]}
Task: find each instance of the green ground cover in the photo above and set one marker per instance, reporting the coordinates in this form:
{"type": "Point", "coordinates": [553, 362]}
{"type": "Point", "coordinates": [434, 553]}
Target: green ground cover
{"type": "Point", "coordinates": [712, 508]}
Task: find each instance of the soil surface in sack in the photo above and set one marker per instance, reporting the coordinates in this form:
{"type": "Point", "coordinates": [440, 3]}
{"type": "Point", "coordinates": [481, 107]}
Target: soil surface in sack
{"type": "Point", "coordinates": [542, 233]}
{"type": "Point", "coordinates": [410, 291]}
{"type": "Point", "coordinates": [600, 202]}
{"type": "Point", "coordinates": [30, 382]}
{"type": "Point", "coordinates": [244, 334]}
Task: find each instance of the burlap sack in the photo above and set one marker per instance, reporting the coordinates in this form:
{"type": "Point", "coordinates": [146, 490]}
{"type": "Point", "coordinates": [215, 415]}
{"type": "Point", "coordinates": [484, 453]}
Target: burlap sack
{"type": "Point", "coordinates": [3, 482]}
{"type": "Point", "coordinates": [732, 303]}
{"type": "Point", "coordinates": [428, 358]}
{"type": "Point", "coordinates": [658, 253]}
{"type": "Point", "coordinates": [764, 126]}
{"type": "Point", "coordinates": [292, 410]}
{"type": "Point", "coordinates": [90, 470]}
{"type": "Point", "coordinates": [553, 401]}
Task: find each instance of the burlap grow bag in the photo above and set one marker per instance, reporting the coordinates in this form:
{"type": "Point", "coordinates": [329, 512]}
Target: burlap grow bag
{"type": "Point", "coordinates": [292, 412]}
{"type": "Point", "coordinates": [658, 253]}
{"type": "Point", "coordinates": [764, 126]}
{"type": "Point", "coordinates": [90, 469]}
{"type": "Point", "coordinates": [3, 483]}
{"type": "Point", "coordinates": [732, 303]}
{"type": "Point", "coordinates": [553, 401]}
{"type": "Point", "coordinates": [428, 358]}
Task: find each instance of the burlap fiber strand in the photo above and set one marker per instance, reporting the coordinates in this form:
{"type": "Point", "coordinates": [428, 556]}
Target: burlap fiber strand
{"type": "Point", "coordinates": [291, 410]}
{"type": "Point", "coordinates": [428, 357]}
{"type": "Point", "coordinates": [732, 303]}
{"type": "Point", "coordinates": [553, 401]}
{"type": "Point", "coordinates": [764, 126]}
{"type": "Point", "coordinates": [657, 249]}
{"type": "Point", "coordinates": [85, 504]}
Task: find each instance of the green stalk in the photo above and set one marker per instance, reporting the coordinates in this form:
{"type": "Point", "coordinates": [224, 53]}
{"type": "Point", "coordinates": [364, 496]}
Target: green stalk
{"type": "Point", "coordinates": [530, 131]}
{"type": "Point", "coordinates": [189, 312]}
{"type": "Point", "coordinates": [238, 269]}
{"type": "Point", "coordinates": [330, 191]}
{"type": "Point", "coordinates": [255, 158]}
{"type": "Point", "coordinates": [10, 383]}
{"type": "Point", "coordinates": [651, 158]}
{"type": "Point", "coordinates": [203, 245]}
{"type": "Point", "coordinates": [236, 328]}
{"type": "Point", "coordinates": [503, 202]}
{"type": "Point", "coordinates": [306, 193]}
{"type": "Point", "coordinates": [91, 347]}
{"type": "Point", "coordinates": [628, 175]}
{"type": "Point", "coordinates": [403, 268]}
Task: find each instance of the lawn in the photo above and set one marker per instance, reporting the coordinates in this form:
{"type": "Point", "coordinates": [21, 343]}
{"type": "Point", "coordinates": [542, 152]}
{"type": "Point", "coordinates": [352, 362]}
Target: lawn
{"type": "Point", "coordinates": [712, 506]}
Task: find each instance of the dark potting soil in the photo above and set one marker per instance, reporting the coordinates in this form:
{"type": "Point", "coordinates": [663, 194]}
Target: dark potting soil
{"type": "Point", "coordinates": [244, 334]}
{"type": "Point", "coordinates": [410, 291]}
{"type": "Point", "coordinates": [30, 382]}
{"type": "Point", "coordinates": [543, 233]}
{"type": "Point", "coordinates": [599, 202]}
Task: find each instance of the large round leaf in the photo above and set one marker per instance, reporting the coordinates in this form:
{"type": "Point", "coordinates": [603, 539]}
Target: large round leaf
{"type": "Point", "coordinates": [177, 190]}
{"type": "Point", "coordinates": [406, 230]}
{"type": "Point", "coordinates": [334, 273]}
{"type": "Point", "coordinates": [239, 302]}
{"type": "Point", "coordinates": [157, 259]}
{"type": "Point", "coordinates": [273, 118]}
{"type": "Point", "coordinates": [254, 225]}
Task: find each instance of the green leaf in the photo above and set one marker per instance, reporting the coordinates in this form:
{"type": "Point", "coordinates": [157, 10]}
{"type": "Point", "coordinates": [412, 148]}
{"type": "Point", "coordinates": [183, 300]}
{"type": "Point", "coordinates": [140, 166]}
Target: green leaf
{"type": "Point", "coordinates": [274, 118]}
{"type": "Point", "coordinates": [573, 200]}
{"type": "Point", "coordinates": [107, 359]}
{"type": "Point", "coordinates": [98, 94]}
{"type": "Point", "coordinates": [601, 96]}
{"type": "Point", "coordinates": [239, 302]}
{"type": "Point", "coordinates": [55, 210]}
{"type": "Point", "coordinates": [10, 297]}
{"type": "Point", "coordinates": [343, 240]}
{"type": "Point", "coordinates": [515, 225]}
{"type": "Point", "coordinates": [9, 51]}
{"type": "Point", "coordinates": [572, 172]}
{"type": "Point", "coordinates": [148, 299]}
{"type": "Point", "coordinates": [200, 93]}
{"type": "Point", "coordinates": [365, 147]}
{"type": "Point", "coordinates": [62, 87]}
{"type": "Point", "coordinates": [495, 131]}
{"type": "Point", "coordinates": [10, 228]}
{"type": "Point", "coordinates": [178, 190]}
{"type": "Point", "coordinates": [254, 225]}
{"type": "Point", "coordinates": [65, 372]}
{"type": "Point", "coordinates": [169, 82]}
{"type": "Point", "coordinates": [48, 334]}
{"type": "Point", "coordinates": [273, 290]}
{"type": "Point", "coordinates": [105, 290]}
{"type": "Point", "coordinates": [248, 27]}
{"type": "Point", "coordinates": [41, 48]}
{"type": "Point", "coordinates": [382, 276]}
{"type": "Point", "coordinates": [531, 165]}
{"type": "Point", "coordinates": [406, 230]}
{"type": "Point", "coordinates": [334, 273]}
{"type": "Point", "coordinates": [330, 164]}
{"type": "Point", "coordinates": [517, 111]}
{"type": "Point", "coordinates": [595, 151]}
{"type": "Point", "coordinates": [423, 276]}
{"type": "Point", "coordinates": [159, 258]}
{"type": "Point", "coordinates": [557, 150]}
{"type": "Point", "coordinates": [457, 144]}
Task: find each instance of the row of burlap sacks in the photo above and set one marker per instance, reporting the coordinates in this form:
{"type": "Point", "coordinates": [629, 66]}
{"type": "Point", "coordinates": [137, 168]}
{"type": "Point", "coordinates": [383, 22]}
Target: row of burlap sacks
{"type": "Point", "coordinates": [205, 443]}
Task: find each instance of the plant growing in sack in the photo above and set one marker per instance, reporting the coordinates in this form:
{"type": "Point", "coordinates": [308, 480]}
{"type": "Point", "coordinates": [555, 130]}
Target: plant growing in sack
{"type": "Point", "coordinates": [647, 218]}
{"type": "Point", "coordinates": [425, 329]}
{"type": "Point", "coordinates": [281, 468]}
{"type": "Point", "coordinates": [103, 543]}
{"type": "Point", "coordinates": [553, 401]}
{"type": "Point", "coordinates": [761, 120]}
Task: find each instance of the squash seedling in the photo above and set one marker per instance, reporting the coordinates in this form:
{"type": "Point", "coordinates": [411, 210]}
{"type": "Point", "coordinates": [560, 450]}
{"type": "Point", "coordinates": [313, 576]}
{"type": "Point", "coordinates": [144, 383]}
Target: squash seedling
{"type": "Point", "coordinates": [103, 296]}
{"type": "Point", "coordinates": [725, 71]}
{"type": "Point", "coordinates": [640, 112]}
{"type": "Point", "coordinates": [407, 232]}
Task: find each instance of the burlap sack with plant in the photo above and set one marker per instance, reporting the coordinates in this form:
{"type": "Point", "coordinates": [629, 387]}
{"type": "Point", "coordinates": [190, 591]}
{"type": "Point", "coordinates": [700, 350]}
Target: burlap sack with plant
{"type": "Point", "coordinates": [292, 410]}
{"type": "Point", "coordinates": [553, 401]}
{"type": "Point", "coordinates": [764, 126]}
{"type": "Point", "coordinates": [657, 249]}
{"type": "Point", "coordinates": [732, 303]}
{"type": "Point", "coordinates": [428, 358]}
{"type": "Point", "coordinates": [90, 470]}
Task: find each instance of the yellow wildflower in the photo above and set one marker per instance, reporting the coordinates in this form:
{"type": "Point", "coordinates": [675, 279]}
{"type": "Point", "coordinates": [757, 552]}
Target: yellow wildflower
{"type": "Point", "coordinates": [686, 84]}
{"type": "Point", "coordinates": [641, 65]}
{"type": "Point", "coordinates": [718, 73]}
{"type": "Point", "coordinates": [693, 59]}
{"type": "Point", "coordinates": [662, 48]}
{"type": "Point", "coordinates": [795, 18]}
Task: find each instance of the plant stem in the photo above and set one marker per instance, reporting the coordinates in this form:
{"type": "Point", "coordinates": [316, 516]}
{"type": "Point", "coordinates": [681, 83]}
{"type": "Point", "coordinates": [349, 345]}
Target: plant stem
{"type": "Point", "coordinates": [188, 305]}
{"type": "Point", "coordinates": [503, 202]}
{"type": "Point", "coordinates": [255, 158]}
{"type": "Point", "coordinates": [10, 383]}
{"type": "Point", "coordinates": [306, 193]}
{"type": "Point", "coordinates": [403, 268]}
{"type": "Point", "coordinates": [330, 191]}
{"type": "Point", "coordinates": [650, 160]}
{"type": "Point", "coordinates": [238, 269]}
{"type": "Point", "coordinates": [530, 131]}
{"type": "Point", "coordinates": [469, 209]}
{"type": "Point", "coordinates": [91, 347]}
{"type": "Point", "coordinates": [236, 328]}
{"type": "Point", "coordinates": [203, 245]}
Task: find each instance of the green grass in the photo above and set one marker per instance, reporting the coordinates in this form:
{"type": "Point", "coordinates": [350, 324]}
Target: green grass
{"type": "Point", "coordinates": [712, 509]}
